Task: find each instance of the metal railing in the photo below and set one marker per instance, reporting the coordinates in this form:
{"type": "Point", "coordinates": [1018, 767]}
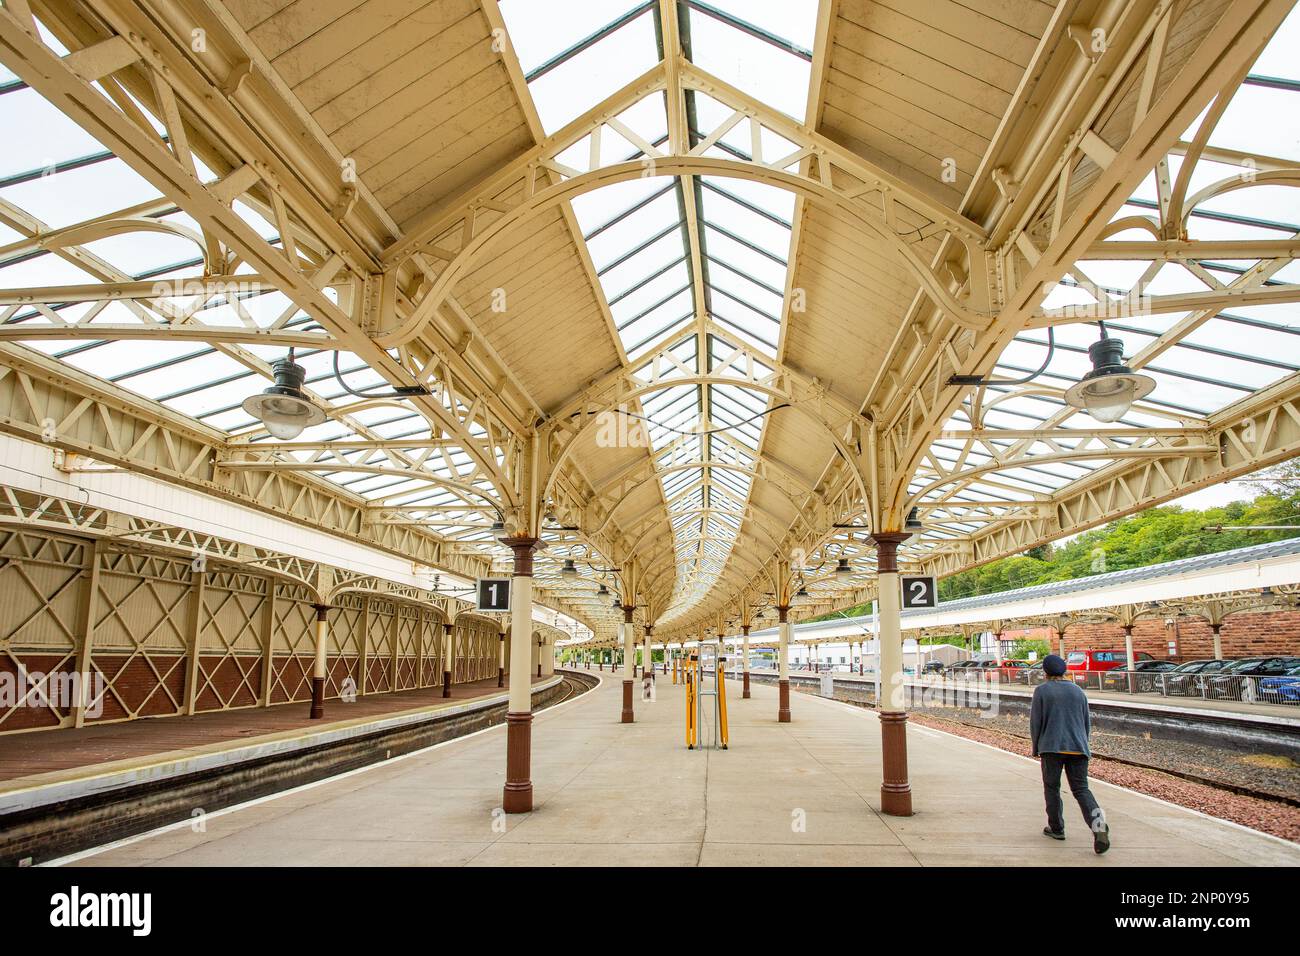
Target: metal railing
{"type": "Point", "coordinates": [1248, 689]}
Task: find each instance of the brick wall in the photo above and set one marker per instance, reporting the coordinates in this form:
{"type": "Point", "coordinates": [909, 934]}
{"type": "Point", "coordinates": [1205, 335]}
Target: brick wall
{"type": "Point", "coordinates": [1242, 635]}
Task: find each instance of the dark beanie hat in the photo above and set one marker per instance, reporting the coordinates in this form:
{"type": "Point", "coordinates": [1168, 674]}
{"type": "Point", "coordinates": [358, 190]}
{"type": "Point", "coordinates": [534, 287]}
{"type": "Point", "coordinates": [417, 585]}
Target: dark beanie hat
{"type": "Point", "coordinates": [1053, 665]}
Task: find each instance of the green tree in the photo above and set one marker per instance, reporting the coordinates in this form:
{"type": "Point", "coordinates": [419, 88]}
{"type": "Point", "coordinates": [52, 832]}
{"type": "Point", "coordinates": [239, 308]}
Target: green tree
{"type": "Point", "coordinates": [1023, 647]}
{"type": "Point", "coordinates": [1149, 537]}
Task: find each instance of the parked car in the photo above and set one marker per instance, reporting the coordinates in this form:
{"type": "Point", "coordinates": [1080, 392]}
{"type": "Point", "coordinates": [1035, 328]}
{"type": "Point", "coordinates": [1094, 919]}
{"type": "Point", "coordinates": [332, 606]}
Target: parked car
{"type": "Point", "coordinates": [1031, 673]}
{"type": "Point", "coordinates": [1140, 678]}
{"type": "Point", "coordinates": [1010, 667]}
{"type": "Point", "coordinates": [1188, 678]}
{"type": "Point", "coordinates": [1100, 660]}
{"type": "Point", "coordinates": [933, 667]}
{"type": "Point", "coordinates": [1240, 680]}
{"type": "Point", "coordinates": [955, 668]}
{"type": "Point", "coordinates": [1283, 689]}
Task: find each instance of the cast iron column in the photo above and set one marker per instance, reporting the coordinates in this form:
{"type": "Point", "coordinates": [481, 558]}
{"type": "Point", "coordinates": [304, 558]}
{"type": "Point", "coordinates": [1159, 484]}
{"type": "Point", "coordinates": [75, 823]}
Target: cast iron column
{"type": "Point", "coordinates": [744, 629]}
{"type": "Point", "coordinates": [1128, 656]}
{"type": "Point", "coordinates": [629, 662]}
{"type": "Point", "coordinates": [895, 791]}
{"type": "Point", "coordinates": [783, 665]}
{"type": "Point", "coordinates": [449, 645]}
{"type": "Point", "coordinates": [518, 795]}
{"type": "Point", "coordinates": [318, 669]}
{"type": "Point", "coordinates": [648, 668]}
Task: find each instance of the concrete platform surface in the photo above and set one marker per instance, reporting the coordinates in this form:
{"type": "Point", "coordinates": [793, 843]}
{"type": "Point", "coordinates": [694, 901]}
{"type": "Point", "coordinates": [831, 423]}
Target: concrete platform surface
{"type": "Point", "coordinates": [803, 793]}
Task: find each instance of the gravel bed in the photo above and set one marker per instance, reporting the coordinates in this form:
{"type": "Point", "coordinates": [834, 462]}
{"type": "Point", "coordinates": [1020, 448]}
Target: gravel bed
{"type": "Point", "coordinates": [1267, 816]}
{"type": "Point", "coordinates": [1255, 773]}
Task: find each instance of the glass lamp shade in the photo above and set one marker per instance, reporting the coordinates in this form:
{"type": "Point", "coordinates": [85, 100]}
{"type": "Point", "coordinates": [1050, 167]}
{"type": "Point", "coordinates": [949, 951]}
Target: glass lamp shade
{"type": "Point", "coordinates": [283, 408]}
{"type": "Point", "coordinates": [1110, 389]}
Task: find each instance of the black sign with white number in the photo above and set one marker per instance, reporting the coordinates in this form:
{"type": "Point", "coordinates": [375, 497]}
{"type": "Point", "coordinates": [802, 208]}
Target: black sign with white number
{"type": "Point", "coordinates": [494, 594]}
{"type": "Point", "coordinates": [920, 592]}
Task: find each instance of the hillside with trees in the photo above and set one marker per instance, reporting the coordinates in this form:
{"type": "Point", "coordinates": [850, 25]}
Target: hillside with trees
{"type": "Point", "coordinates": [1148, 537]}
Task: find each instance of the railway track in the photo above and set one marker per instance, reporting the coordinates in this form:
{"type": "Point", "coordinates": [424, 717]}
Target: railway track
{"type": "Point", "coordinates": [1209, 751]}
{"type": "Point", "coordinates": [572, 687]}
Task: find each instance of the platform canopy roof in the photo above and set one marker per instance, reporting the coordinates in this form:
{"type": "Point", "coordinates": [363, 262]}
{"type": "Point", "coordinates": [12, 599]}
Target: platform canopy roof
{"type": "Point", "coordinates": [678, 287]}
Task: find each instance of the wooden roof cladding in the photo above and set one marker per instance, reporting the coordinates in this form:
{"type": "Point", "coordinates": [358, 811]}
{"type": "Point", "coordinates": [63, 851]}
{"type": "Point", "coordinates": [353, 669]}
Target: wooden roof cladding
{"type": "Point", "coordinates": [912, 83]}
{"type": "Point", "coordinates": [533, 302]}
{"type": "Point", "coordinates": [411, 91]}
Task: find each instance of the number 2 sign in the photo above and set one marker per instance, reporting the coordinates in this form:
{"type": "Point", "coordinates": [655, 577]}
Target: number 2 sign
{"type": "Point", "coordinates": [493, 594]}
{"type": "Point", "coordinates": [920, 592]}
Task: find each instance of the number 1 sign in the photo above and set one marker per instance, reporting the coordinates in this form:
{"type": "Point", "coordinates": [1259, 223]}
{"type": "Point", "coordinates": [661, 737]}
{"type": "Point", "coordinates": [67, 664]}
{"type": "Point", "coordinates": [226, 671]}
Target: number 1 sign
{"type": "Point", "coordinates": [493, 594]}
{"type": "Point", "coordinates": [920, 592]}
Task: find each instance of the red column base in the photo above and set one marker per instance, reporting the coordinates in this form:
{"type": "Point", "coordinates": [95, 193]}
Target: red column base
{"type": "Point", "coordinates": [745, 694]}
{"type": "Point", "coordinates": [783, 703]}
{"type": "Point", "coordinates": [539, 670]}
{"type": "Point", "coordinates": [895, 791]}
{"type": "Point", "coordinates": [501, 677]}
{"type": "Point", "coordinates": [317, 698]}
{"type": "Point", "coordinates": [627, 702]}
{"type": "Point", "coordinates": [518, 794]}
{"type": "Point", "coordinates": [446, 683]}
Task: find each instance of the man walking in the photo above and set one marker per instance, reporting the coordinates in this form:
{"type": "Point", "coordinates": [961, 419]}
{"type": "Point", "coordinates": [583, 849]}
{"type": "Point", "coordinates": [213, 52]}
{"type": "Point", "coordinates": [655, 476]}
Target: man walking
{"type": "Point", "coordinates": [1058, 729]}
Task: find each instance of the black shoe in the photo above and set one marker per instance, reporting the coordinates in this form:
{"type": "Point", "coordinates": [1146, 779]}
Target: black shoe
{"type": "Point", "coordinates": [1054, 834]}
{"type": "Point", "coordinates": [1101, 840]}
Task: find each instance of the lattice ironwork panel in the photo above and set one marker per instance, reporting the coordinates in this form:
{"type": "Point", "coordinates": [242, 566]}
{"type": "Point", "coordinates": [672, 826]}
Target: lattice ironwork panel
{"type": "Point", "coordinates": [230, 649]}
{"type": "Point", "coordinates": [293, 640]}
{"type": "Point", "coordinates": [343, 648]}
{"type": "Point", "coordinates": [140, 645]}
{"type": "Point", "coordinates": [39, 579]}
{"type": "Point", "coordinates": [379, 656]}
{"type": "Point", "coordinates": [431, 632]}
{"type": "Point", "coordinates": [408, 646]}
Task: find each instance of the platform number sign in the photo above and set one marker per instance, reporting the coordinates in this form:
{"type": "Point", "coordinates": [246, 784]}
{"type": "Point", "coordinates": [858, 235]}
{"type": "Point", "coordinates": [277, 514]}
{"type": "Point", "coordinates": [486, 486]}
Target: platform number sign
{"type": "Point", "coordinates": [493, 594]}
{"type": "Point", "coordinates": [920, 592]}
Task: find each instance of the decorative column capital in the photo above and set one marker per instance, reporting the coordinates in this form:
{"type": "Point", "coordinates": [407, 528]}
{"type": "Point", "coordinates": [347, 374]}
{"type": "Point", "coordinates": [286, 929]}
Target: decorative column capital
{"type": "Point", "coordinates": [628, 611]}
{"type": "Point", "coordinates": [322, 610]}
{"type": "Point", "coordinates": [887, 543]}
{"type": "Point", "coordinates": [782, 612]}
{"type": "Point", "coordinates": [744, 629]}
{"type": "Point", "coordinates": [523, 546]}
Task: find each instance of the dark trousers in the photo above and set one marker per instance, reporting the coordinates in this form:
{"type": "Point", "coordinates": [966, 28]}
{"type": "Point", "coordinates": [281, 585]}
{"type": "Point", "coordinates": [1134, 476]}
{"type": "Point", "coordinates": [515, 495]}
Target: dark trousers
{"type": "Point", "coordinates": [1076, 772]}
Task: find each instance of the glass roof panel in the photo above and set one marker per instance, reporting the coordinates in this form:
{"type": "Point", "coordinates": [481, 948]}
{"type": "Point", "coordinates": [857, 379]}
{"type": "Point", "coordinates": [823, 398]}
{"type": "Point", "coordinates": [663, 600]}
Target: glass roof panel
{"type": "Point", "coordinates": [577, 60]}
{"type": "Point", "coordinates": [772, 69]}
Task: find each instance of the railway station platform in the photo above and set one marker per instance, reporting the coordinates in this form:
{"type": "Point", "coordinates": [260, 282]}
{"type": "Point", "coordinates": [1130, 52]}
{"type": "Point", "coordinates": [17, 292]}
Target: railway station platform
{"type": "Point", "coordinates": [607, 793]}
{"type": "Point", "coordinates": [97, 747]}
{"type": "Point", "coordinates": [104, 782]}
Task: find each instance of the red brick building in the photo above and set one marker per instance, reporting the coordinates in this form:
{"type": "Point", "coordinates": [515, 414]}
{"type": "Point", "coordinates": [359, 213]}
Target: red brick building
{"type": "Point", "coordinates": [1245, 634]}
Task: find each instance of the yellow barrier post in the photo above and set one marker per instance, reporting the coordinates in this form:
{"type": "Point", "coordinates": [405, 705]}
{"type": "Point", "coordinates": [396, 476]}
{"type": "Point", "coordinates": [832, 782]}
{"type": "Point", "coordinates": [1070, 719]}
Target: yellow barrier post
{"type": "Point", "coordinates": [721, 673]}
{"type": "Point", "coordinates": [690, 714]}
